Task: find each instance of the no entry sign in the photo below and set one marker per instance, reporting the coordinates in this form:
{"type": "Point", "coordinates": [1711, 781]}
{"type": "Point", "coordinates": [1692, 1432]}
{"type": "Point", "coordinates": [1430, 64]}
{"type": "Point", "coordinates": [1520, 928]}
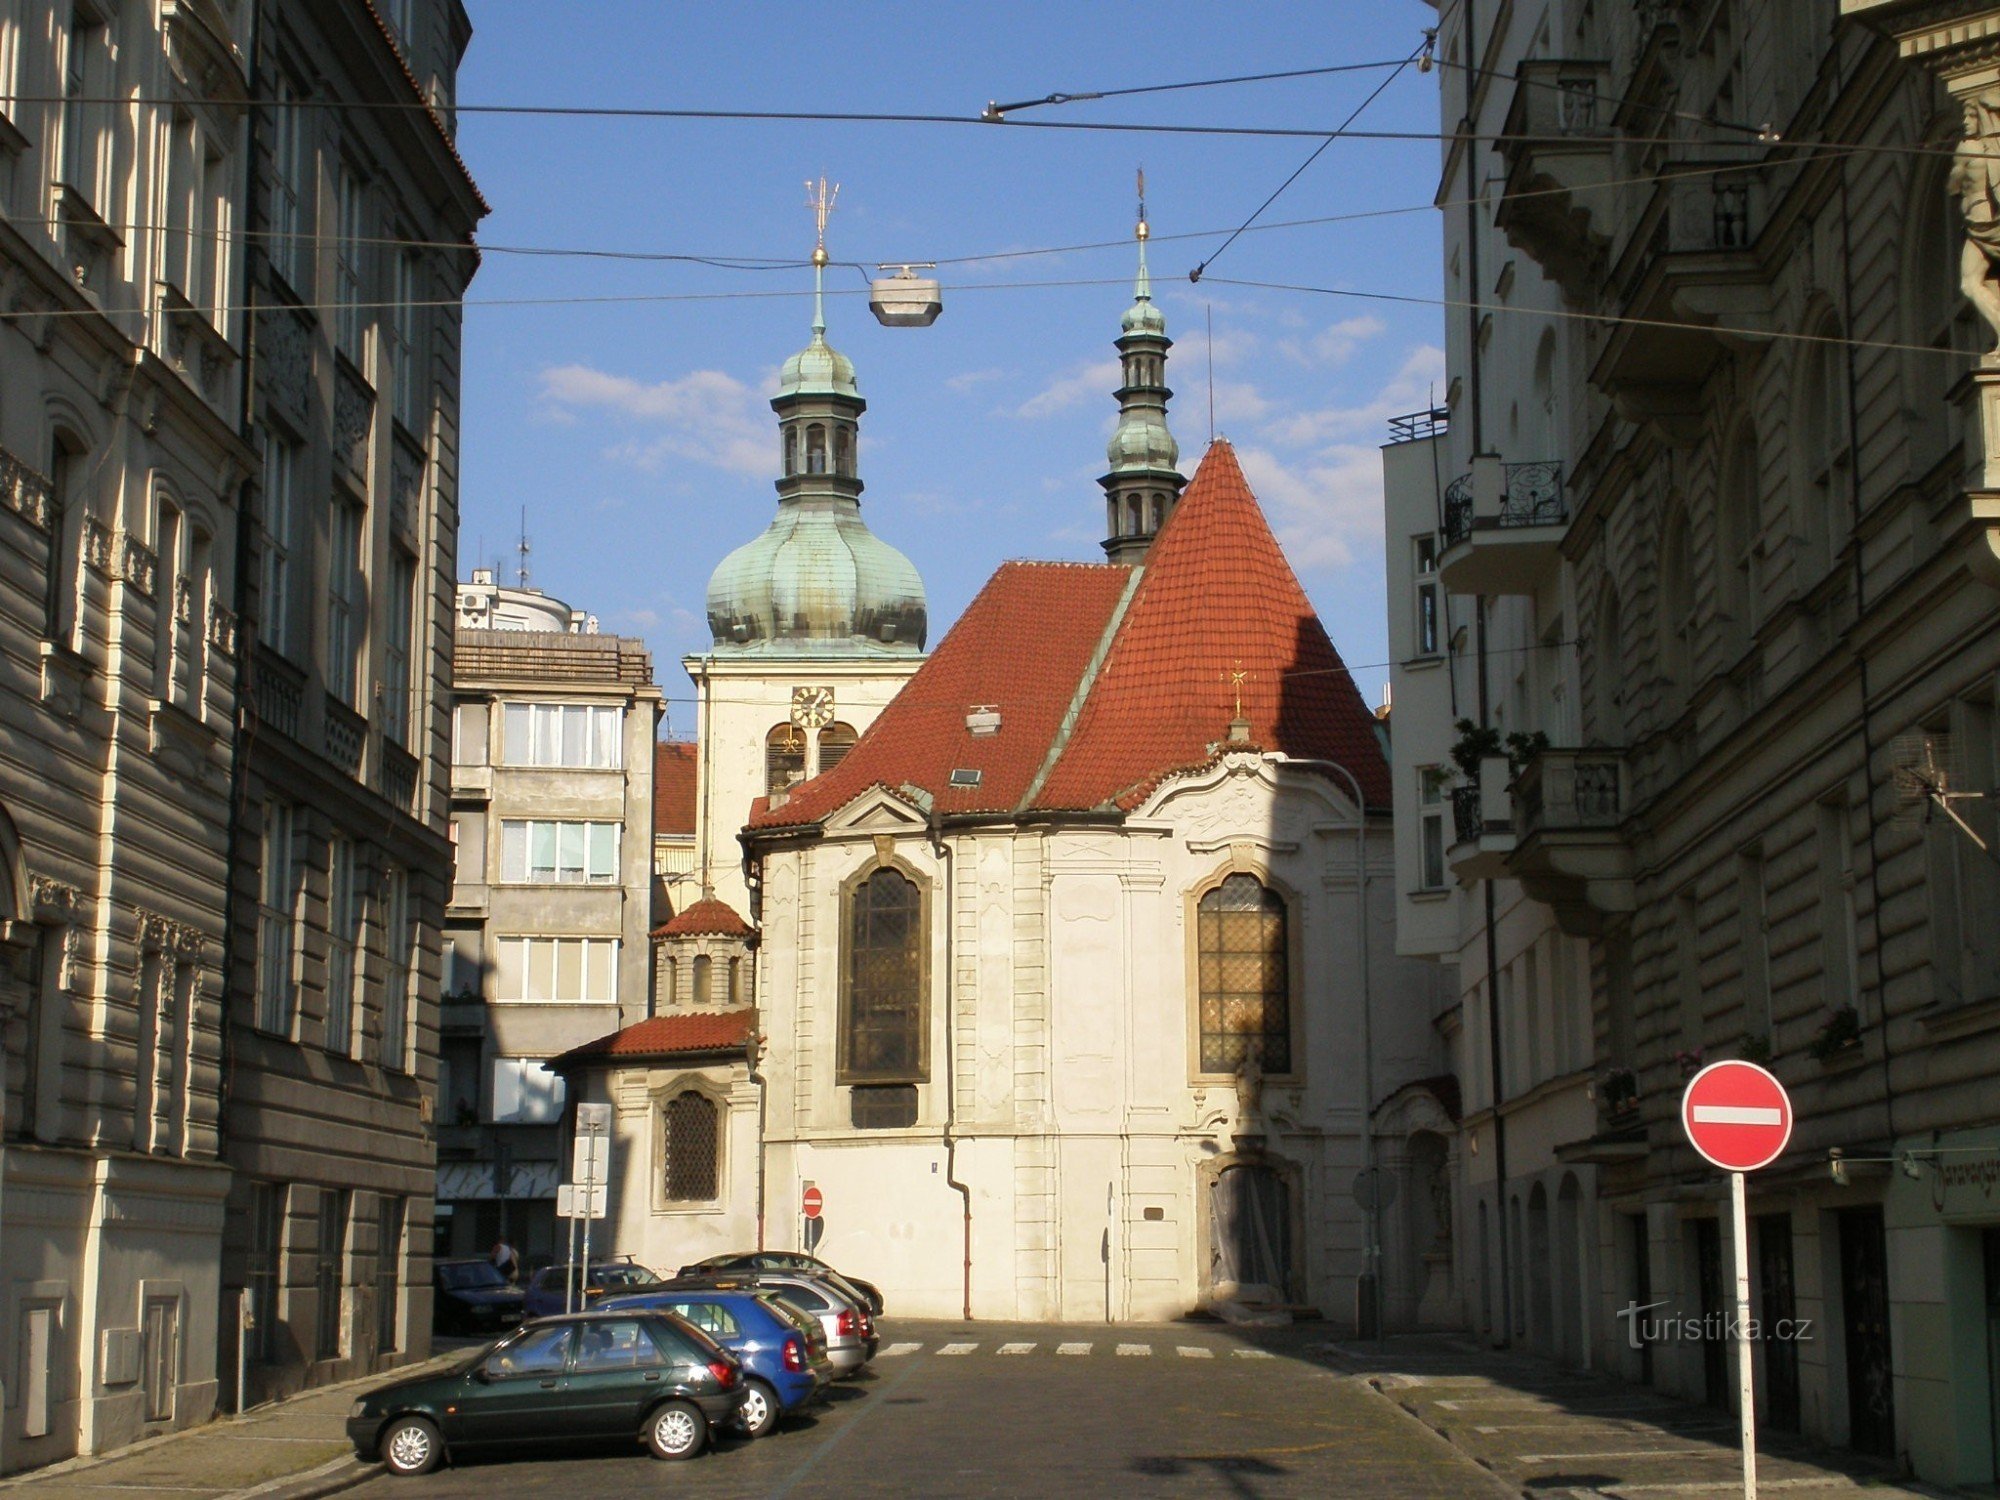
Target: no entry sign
{"type": "Point", "coordinates": [1737, 1115]}
{"type": "Point", "coordinates": [811, 1202]}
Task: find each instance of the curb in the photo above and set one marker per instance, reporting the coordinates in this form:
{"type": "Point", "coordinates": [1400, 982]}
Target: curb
{"type": "Point", "coordinates": [1441, 1439]}
{"type": "Point", "coordinates": [330, 1478]}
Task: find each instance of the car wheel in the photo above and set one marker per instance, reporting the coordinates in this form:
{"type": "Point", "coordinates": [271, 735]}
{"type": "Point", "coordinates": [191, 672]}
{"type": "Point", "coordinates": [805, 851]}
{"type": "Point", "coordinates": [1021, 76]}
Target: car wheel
{"type": "Point", "coordinates": [410, 1447]}
{"type": "Point", "coordinates": [676, 1430]}
{"type": "Point", "coordinates": [760, 1410]}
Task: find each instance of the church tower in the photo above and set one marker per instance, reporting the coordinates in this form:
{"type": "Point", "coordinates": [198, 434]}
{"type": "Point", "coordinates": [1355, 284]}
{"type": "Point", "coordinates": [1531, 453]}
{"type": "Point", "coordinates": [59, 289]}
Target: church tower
{"type": "Point", "coordinates": [815, 623]}
{"type": "Point", "coordinates": [1142, 485]}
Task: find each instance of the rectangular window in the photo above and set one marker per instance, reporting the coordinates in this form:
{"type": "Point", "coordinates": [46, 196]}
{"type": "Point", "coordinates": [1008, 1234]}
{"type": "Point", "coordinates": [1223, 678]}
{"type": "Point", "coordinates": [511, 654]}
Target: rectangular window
{"type": "Point", "coordinates": [37, 1368]}
{"type": "Point", "coordinates": [406, 322]}
{"type": "Point", "coordinates": [86, 82]}
{"type": "Point", "coordinates": [277, 921]}
{"type": "Point", "coordinates": [331, 1280]}
{"type": "Point", "coordinates": [350, 273]}
{"type": "Point", "coordinates": [389, 1274]}
{"type": "Point", "coordinates": [561, 970]}
{"type": "Point", "coordinates": [539, 853]}
{"type": "Point", "coordinates": [468, 734]}
{"type": "Point", "coordinates": [261, 1265]}
{"type": "Point", "coordinates": [1431, 783]}
{"type": "Point", "coordinates": [574, 735]}
{"type": "Point", "coordinates": [525, 1092]}
{"type": "Point", "coordinates": [398, 947]}
{"type": "Point", "coordinates": [397, 707]}
{"type": "Point", "coordinates": [345, 605]}
{"type": "Point", "coordinates": [343, 945]}
{"type": "Point", "coordinates": [1839, 959]}
{"type": "Point", "coordinates": [281, 470]}
{"type": "Point", "coordinates": [292, 196]}
{"type": "Point", "coordinates": [1753, 936]}
{"type": "Point", "coordinates": [1428, 596]}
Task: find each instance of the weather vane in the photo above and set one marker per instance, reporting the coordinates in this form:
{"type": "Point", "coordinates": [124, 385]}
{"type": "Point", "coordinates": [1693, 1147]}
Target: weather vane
{"type": "Point", "coordinates": [820, 199]}
{"type": "Point", "coordinates": [1142, 230]}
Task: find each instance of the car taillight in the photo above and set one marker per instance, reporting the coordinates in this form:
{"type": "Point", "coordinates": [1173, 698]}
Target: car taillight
{"type": "Point", "coordinates": [847, 1323]}
{"type": "Point", "coordinates": [867, 1326]}
{"type": "Point", "coordinates": [795, 1355]}
{"type": "Point", "coordinates": [723, 1371]}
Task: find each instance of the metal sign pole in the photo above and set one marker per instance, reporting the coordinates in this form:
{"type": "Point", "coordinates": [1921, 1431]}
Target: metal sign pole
{"type": "Point", "coordinates": [568, 1270]}
{"type": "Point", "coordinates": [1746, 1384]}
{"type": "Point", "coordinates": [589, 1203]}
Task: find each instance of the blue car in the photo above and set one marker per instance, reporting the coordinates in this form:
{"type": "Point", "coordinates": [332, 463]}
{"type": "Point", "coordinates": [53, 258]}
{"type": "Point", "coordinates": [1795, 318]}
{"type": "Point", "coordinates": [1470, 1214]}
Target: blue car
{"type": "Point", "coordinates": [780, 1373]}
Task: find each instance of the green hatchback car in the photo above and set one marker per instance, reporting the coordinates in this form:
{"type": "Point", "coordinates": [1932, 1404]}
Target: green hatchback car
{"type": "Point", "coordinates": [579, 1379]}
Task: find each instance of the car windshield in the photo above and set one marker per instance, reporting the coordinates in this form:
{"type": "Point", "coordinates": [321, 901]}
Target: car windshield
{"type": "Point", "coordinates": [471, 1275]}
{"type": "Point", "coordinates": [624, 1276]}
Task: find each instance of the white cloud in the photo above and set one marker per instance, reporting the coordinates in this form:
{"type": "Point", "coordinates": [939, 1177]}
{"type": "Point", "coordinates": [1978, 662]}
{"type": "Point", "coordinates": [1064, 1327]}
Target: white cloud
{"type": "Point", "coordinates": [1321, 508]}
{"type": "Point", "coordinates": [1336, 345]}
{"type": "Point", "coordinates": [965, 382]}
{"type": "Point", "coordinates": [707, 416]}
{"type": "Point", "coordinates": [1093, 382]}
{"type": "Point", "coordinates": [1409, 389]}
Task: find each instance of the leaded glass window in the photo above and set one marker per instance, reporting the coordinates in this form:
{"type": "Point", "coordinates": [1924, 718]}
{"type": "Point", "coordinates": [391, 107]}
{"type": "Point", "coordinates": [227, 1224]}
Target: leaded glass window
{"type": "Point", "coordinates": [1245, 978]}
{"type": "Point", "coordinates": [691, 1139]}
{"type": "Point", "coordinates": [882, 1035]}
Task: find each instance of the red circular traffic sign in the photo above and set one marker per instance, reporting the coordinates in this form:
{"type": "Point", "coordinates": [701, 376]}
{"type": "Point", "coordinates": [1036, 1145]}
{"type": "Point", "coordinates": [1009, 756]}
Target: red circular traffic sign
{"type": "Point", "coordinates": [1737, 1115]}
{"type": "Point", "coordinates": [812, 1202]}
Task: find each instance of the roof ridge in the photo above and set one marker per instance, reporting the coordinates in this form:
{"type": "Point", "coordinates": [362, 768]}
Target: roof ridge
{"type": "Point", "coordinates": [1084, 683]}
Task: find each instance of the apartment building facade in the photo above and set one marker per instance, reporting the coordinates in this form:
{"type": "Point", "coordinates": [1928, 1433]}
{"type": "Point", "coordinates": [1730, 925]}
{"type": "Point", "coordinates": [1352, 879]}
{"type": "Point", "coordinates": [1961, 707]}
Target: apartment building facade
{"type": "Point", "coordinates": [546, 937]}
{"type": "Point", "coordinates": [1709, 535]}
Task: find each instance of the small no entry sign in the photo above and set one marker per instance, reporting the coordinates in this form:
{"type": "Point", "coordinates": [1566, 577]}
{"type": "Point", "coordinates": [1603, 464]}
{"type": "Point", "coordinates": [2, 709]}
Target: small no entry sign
{"type": "Point", "coordinates": [1737, 1115]}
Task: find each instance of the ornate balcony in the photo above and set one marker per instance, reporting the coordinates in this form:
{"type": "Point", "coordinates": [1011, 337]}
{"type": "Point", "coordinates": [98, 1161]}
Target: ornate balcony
{"type": "Point", "coordinates": [346, 735]}
{"type": "Point", "coordinates": [1482, 823]}
{"type": "Point", "coordinates": [278, 693]}
{"type": "Point", "coordinates": [1503, 527]}
{"type": "Point", "coordinates": [1572, 853]}
{"type": "Point", "coordinates": [398, 777]}
{"type": "Point", "coordinates": [1556, 144]}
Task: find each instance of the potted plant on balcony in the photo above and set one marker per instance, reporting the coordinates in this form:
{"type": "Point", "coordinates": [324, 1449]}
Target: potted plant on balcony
{"type": "Point", "coordinates": [1523, 747]}
{"type": "Point", "coordinates": [1838, 1034]}
{"type": "Point", "coordinates": [1619, 1089]}
{"type": "Point", "coordinates": [1476, 742]}
{"type": "Point", "coordinates": [1755, 1047]}
{"type": "Point", "coordinates": [1688, 1060]}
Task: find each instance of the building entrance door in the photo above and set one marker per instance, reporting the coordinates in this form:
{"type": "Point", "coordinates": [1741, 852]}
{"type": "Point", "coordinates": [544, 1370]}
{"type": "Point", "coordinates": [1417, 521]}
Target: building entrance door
{"type": "Point", "coordinates": [1991, 1237]}
{"type": "Point", "coordinates": [1250, 1230]}
{"type": "Point", "coordinates": [1780, 1308]}
{"type": "Point", "coordinates": [1715, 1385]}
{"type": "Point", "coordinates": [161, 1356]}
{"type": "Point", "coordinates": [1864, 1296]}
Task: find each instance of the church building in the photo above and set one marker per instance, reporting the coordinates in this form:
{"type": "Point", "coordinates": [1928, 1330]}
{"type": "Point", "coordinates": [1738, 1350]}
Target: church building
{"type": "Point", "coordinates": [1075, 973]}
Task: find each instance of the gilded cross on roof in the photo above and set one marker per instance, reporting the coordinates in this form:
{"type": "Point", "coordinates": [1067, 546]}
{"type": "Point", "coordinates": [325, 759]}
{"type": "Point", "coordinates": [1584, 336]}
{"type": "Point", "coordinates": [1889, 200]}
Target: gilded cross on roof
{"type": "Point", "coordinates": [820, 199]}
{"type": "Point", "coordinates": [1237, 677]}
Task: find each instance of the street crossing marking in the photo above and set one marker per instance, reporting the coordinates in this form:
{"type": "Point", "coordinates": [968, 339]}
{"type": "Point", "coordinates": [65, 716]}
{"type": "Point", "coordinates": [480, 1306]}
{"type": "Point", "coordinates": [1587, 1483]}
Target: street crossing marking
{"type": "Point", "coordinates": [1073, 1348]}
{"type": "Point", "coordinates": [1135, 1348]}
{"type": "Point", "coordinates": [900, 1349]}
{"type": "Point", "coordinates": [1195, 1351]}
{"type": "Point", "coordinates": [1251, 1353]}
{"type": "Point", "coordinates": [1017, 1349]}
{"type": "Point", "coordinates": [958, 1348]}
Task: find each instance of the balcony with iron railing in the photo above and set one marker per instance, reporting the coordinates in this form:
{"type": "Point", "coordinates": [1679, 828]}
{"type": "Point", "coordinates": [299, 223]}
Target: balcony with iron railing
{"type": "Point", "coordinates": [1573, 854]}
{"type": "Point", "coordinates": [1503, 527]}
{"type": "Point", "coordinates": [1482, 823]}
{"type": "Point", "coordinates": [1556, 144]}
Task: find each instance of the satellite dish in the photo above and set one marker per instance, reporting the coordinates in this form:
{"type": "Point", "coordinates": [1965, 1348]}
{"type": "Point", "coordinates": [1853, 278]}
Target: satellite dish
{"type": "Point", "coordinates": [905, 300]}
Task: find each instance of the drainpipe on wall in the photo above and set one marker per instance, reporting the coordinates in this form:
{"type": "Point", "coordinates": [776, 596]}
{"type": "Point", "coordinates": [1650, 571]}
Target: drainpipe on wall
{"type": "Point", "coordinates": [943, 852]}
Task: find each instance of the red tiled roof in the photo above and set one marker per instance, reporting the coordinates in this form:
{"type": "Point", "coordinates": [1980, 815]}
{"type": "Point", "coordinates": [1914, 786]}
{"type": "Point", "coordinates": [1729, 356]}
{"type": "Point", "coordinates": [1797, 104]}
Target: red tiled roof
{"type": "Point", "coordinates": [673, 787]}
{"type": "Point", "coordinates": [1215, 596]}
{"type": "Point", "coordinates": [668, 1036]}
{"type": "Point", "coordinates": [706, 918]}
{"type": "Point", "coordinates": [1021, 646]}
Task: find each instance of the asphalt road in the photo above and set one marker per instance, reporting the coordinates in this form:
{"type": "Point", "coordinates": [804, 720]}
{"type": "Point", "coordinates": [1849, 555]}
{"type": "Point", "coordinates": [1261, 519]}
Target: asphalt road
{"type": "Point", "coordinates": [956, 1410]}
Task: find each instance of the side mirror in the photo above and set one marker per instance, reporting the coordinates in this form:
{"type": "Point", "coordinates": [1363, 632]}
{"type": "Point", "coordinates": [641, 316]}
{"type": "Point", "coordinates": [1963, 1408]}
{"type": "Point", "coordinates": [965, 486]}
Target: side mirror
{"type": "Point", "coordinates": [483, 1373]}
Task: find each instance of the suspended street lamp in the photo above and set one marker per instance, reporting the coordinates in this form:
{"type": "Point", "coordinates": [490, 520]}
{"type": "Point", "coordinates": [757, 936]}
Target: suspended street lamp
{"type": "Point", "coordinates": [905, 300]}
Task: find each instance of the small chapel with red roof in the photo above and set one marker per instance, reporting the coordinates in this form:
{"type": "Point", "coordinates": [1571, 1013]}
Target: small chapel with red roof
{"type": "Point", "coordinates": [1074, 973]}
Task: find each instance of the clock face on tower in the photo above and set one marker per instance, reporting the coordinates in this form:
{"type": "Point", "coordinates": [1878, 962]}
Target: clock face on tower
{"type": "Point", "coordinates": [812, 707]}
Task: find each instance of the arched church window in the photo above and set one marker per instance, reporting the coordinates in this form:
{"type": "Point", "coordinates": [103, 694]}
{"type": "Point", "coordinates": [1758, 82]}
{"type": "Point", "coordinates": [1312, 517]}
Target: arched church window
{"type": "Point", "coordinates": [1135, 520]}
{"type": "Point", "coordinates": [691, 1141]}
{"type": "Point", "coordinates": [791, 450]}
{"type": "Point", "coordinates": [1111, 517]}
{"type": "Point", "coordinates": [815, 449]}
{"type": "Point", "coordinates": [1245, 978]}
{"type": "Point", "coordinates": [669, 982]}
{"type": "Point", "coordinates": [1159, 511]}
{"type": "Point", "coordinates": [784, 758]}
{"type": "Point", "coordinates": [703, 979]}
{"type": "Point", "coordinates": [843, 451]}
{"type": "Point", "coordinates": [834, 742]}
{"type": "Point", "coordinates": [882, 994]}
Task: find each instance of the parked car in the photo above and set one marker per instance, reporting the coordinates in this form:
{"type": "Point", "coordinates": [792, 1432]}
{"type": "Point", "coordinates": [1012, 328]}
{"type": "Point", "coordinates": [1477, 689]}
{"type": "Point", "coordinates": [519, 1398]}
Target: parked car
{"type": "Point", "coordinates": [790, 1260]}
{"type": "Point", "coordinates": [781, 1373]}
{"type": "Point", "coordinates": [472, 1297]}
{"type": "Point", "coordinates": [850, 1330]}
{"type": "Point", "coordinates": [589, 1377]}
{"type": "Point", "coordinates": [552, 1289]}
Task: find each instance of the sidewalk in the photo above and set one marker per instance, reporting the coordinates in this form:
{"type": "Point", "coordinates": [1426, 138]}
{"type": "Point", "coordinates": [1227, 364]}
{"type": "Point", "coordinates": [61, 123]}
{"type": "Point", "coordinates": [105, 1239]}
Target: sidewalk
{"type": "Point", "coordinates": [289, 1450]}
{"type": "Point", "coordinates": [1545, 1430]}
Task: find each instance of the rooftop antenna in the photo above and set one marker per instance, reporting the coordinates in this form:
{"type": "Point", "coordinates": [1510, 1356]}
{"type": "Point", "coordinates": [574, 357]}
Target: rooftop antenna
{"type": "Point", "coordinates": [524, 549]}
{"type": "Point", "coordinates": [1209, 308]}
{"type": "Point", "coordinates": [820, 199]}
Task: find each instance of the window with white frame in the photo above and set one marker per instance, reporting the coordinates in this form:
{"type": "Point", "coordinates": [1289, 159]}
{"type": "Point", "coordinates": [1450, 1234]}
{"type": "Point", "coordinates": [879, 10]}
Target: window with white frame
{"type": "Point", "coordinates": [281, 475]}
{"type": "Point", "coordinates": [345, 608]}
{"type": "Point", "coordinates": [577, 735]}
{"type": "Point", "coordinates": [399, 938]}
{"type": "Point", "coordinates": [560, 970]}
{"type": "Point", "coordinates": [468, 734]}
{"type": "Point", "coordinates": [524, 1092]}
{"type": "Point", "coordinates": [343, 944]}
{"type": "Point", "coordinates": [397, 708]}
{"type": "Point", "coordinates": [350, 268]}
{"type": "Point", "coordinates": [546, 853]}
{"type": "Point", "coordinates": [1431, 784]}
{"type": "Point", "coordinates": [1429, 596]}
{"type": "Point", "coordinates": [277, 920]}
{"type": "Point", "coordinates": [291, 245]}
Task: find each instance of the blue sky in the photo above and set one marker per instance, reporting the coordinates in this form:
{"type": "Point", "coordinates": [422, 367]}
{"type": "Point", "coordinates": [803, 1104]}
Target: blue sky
{"type": "Point", "coordinates": [637, 433]}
